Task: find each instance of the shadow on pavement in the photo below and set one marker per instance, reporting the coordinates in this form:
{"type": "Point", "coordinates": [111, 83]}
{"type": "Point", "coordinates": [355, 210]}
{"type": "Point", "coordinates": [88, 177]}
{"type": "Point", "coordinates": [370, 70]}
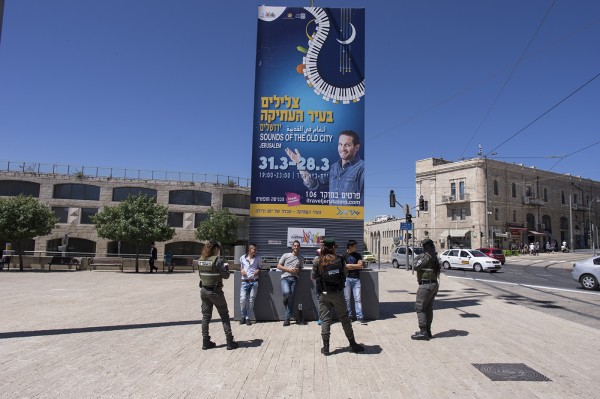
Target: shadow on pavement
{"type": "Point", "coordinates": [62, 331]}
{"type": "Point", "coordinates": [451, 333]}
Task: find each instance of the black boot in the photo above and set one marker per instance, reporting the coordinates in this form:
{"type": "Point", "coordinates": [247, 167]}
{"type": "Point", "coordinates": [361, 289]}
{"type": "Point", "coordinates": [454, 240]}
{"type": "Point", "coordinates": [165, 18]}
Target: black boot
{"type": "Point", "coordinates": [207, 343]}
{"type": "Point", "coordinates": [429, 334]}
{"type": "Point", "coordinates": [325, 348]}
{"type": "Point", "coordinates": [355, 347]}
{"type": "Point", "coordinates": [420, 335]}
{"type": "Point", "coordinates": [231, 344]}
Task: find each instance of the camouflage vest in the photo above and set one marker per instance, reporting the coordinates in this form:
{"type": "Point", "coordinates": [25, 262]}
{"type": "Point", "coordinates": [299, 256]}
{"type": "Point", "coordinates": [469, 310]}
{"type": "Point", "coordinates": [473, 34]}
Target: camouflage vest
{"type": "Point", "coordinates": [427, 267]}
{"type": "Point", "coordinates": [209, 274]}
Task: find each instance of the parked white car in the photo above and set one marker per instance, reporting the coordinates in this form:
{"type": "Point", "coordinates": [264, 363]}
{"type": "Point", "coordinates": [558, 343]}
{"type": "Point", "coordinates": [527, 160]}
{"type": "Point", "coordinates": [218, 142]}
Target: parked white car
{"type": "Point", "coordinates": [587, 272]}
{"type": "Point", "coordinates": [469, 259]}
{"type": "Point", "coordinates": [399, 256]}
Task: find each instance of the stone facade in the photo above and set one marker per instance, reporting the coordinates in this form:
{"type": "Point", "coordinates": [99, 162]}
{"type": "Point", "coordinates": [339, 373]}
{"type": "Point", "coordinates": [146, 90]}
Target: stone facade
{"type": "Point", "coordinates": [75, 211]}
{"type": "Point", "coordinates": [519, 204]}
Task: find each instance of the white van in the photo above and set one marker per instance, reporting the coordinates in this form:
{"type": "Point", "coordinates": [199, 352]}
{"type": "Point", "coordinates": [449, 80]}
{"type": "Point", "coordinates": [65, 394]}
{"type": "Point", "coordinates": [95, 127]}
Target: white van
{"type": "Point", "coordinates": [399, 256]}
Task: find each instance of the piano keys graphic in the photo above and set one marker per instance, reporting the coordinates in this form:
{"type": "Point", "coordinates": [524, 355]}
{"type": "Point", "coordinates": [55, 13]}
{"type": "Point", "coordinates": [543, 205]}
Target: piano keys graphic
{"type": "Point", "coordinates": [329, 66]}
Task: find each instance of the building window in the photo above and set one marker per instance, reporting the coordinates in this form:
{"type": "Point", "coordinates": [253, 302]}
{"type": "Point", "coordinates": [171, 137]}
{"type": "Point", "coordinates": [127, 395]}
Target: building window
{"type": "Point", "coordinates": [86, 215]}
{"type": "Point", "coordinates": [77, 191]}
{"type": "Point", "coordinates": [121, 193]}
{"type": "Point", "coordinates": [562, 197]}
{"type": "Point", "coordinates": [496, 214]}
{"type": "Point", "coordinates": [461, 190]}
{"type": "Point", "coordinates": [425, 206]}
{"type": "Point", "coordinates": [545, 195]}
{"type": "Point", "coordinates": [463, 213]}
{"type": "Point", "coordinates": [199, 218]}
{"type": "Point", "coordinates": [190, 197]}
{"type": "Point", "coordinates": [496, 191]}
{"type": "Point", "coordinates": [528, 191]}
{"type": "Point", "coordinates": [514, 190]}
{"type": "Point", "coordinates": [453, 214]}
{"type": "Point", "coordinates": [564, 223]}
{"type": "Point", "coordinates": [61, 213]}
{"type": "Point", "coordinates": [240, 201]}
{"type": "Point", "coordinates": [175, 219]}
{"type": "Point", "coordinates": [13, 188]}
{"type": "Point", "coordinates": [574, 198]}
{"type": "Point", "coordinates": [453, 190]}
{"type": "Point", "coordinates": [514, 216]}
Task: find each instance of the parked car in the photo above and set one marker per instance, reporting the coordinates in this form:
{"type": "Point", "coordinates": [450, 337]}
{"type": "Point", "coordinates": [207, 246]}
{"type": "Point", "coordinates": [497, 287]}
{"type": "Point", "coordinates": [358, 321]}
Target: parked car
{"type": "Point", "coordinates": [494, 253]}
{"type": "Point", "coordinates": [587, 272]}
{"type": "Point", "coordinates": [469, 259]}
{"type": "Point", "coordinates": [399, 256]}
{"type": "Point", "coordinates": [368, 258]}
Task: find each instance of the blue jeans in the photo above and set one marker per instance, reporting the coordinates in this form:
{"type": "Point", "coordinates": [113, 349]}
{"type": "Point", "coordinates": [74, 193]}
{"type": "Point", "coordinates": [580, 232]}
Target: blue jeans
{"type": "Point", "coordinates": [247, 295]}
{"type": "Point", "coordinates": [288, 285]}
{"type": "Point", "coordinates": [353, 286]}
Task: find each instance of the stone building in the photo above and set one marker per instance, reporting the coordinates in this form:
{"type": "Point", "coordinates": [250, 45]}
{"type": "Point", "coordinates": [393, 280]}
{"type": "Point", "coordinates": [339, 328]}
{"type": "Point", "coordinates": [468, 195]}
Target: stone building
{"type": "Point", "coordinates": [485, 202]}
{"type": "Point", "coordinates": [515, 204]}
{"type": "Point", "coordinates": [75, 197]}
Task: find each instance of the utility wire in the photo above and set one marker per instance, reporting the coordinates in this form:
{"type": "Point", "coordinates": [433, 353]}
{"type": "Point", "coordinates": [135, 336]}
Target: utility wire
{"type": "Point", "coordinates": [573, 153]}
{"type": "Point", "coordinates": [512, 72]}
{"type": "Point", "coordinates": [542, 115]}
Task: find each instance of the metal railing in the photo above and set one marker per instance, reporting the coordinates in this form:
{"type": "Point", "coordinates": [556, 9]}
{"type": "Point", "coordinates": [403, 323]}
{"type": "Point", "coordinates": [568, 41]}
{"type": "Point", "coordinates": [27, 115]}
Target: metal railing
{"type": "Point", "coordinates": [97, 172]}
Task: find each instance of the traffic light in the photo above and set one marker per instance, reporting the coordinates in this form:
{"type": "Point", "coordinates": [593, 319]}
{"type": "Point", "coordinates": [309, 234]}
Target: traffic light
{"type": "Point", "coordinates": [421, 203]}
{"type": "Point", "coordinates": [392, 199]}
{"type": "Point", "coordinates": [408, 218]}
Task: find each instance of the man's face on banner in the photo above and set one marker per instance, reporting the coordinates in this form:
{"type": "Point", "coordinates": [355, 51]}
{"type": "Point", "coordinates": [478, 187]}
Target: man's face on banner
{"type": "Point", "coordinates": [346, 148]}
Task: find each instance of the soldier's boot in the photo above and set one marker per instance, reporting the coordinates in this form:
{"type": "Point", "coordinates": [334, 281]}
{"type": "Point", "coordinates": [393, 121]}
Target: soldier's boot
{"type": "Point", "coordinates": [231, 344]}
{"type": "Point", "coordinates": [421, 335]}
{"type": "Point", "coordinates": [207, 343]}
{"type": "Point", "coordinates": [355, 347]}
{"type": "Point", "coordinates": [325, 348]}
{"type": "Point", "coordinates": [429, 334]}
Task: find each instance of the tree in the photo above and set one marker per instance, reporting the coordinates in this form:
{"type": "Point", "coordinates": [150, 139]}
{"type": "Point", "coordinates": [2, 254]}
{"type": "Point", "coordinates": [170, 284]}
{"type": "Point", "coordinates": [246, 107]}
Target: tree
{"type": "Point", "coordinates": [136, 220]}
{"type": "Point", "coordinates": [220, 226]}
{"type": "Point", "coordinates": [23, 218]}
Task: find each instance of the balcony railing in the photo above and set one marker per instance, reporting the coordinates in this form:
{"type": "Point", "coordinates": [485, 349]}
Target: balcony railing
{"type": "Point", "coordinates": [533, 201]}
{"type": "Point", "coordinates": [116, 173]}
{"type": "Point", "coordinates": [452, 199]}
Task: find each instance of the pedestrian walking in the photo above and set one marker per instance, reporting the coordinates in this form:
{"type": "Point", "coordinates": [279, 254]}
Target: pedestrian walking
{"type": "Point", "coordinates": [213, 270]}
{"type": "Point", "coordinates": [153, 257]}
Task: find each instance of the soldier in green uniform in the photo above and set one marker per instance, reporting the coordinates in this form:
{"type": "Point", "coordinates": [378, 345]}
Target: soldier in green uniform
{"type": "Point", "coordinates": [330, 272]}
{"type": "Point", "coordinates": [428, 272]}
{"type": "Point", "coordinates": [213, 270]}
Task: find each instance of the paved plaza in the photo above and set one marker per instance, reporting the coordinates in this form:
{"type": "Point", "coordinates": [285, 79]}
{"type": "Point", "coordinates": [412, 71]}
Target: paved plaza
{"type": "Point", "coordinates": [68, 334]}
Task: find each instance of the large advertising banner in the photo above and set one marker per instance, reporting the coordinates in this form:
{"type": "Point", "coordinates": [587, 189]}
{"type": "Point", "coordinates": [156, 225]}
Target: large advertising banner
{"type": "Point", "coordinates": [308, 143]}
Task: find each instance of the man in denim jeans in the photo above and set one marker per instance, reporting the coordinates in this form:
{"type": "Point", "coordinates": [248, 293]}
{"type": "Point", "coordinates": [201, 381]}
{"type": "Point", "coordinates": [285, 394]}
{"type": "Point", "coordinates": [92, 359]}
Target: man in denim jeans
{"type": "Point", "coordinates": [352, 289]}
{"type": "Point", "coordinates": [290, 264]}
{"type": "Point", "coordinates": [250, 270]}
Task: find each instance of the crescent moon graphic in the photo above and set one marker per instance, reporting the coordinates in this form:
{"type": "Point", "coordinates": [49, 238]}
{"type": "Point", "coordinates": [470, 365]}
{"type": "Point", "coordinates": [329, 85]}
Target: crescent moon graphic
{"type": "Point", "coordinates": [351, 38]}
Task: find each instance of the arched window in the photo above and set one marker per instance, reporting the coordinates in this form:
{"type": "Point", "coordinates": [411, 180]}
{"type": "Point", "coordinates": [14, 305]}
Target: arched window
{"type": "Point", "coordinates": [564, 223]}
{"type": "Point", "coordinates": [77, 191]}
{"type": "Point", "coordinates": [547, 225]}
{"type": "Point", "coordinates": [121, 193]}
{"type": "Point", "coordinates": [13, 188]}
{"type": "Point", "coordinates": [530, 221]}
{"type": "Point", "coordinates": [190, 197]}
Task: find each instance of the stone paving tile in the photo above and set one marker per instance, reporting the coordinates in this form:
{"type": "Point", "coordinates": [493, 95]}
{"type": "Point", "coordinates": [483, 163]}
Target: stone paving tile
{"type": "Point", "coordinates": [120, 335]}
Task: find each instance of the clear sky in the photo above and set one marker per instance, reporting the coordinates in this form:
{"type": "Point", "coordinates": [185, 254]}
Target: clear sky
{"type": "Point", "coordinates": [168, 85]}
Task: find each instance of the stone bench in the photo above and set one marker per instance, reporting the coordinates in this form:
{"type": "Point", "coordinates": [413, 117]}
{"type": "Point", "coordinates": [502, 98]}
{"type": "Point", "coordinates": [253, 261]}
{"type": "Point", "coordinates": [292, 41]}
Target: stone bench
{"type": "Point", "coordinates": [106, 262]}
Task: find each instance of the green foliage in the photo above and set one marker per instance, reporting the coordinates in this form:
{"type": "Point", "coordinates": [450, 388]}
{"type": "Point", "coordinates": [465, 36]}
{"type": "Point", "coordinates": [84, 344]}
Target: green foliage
{"type": "Point", "coordinates": [220, 226]}
{"type": "Point", "coordinates": [136, 220]}
{"type": "Point", "coordinates": [24, 218]}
